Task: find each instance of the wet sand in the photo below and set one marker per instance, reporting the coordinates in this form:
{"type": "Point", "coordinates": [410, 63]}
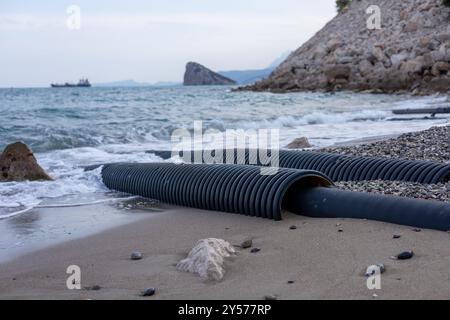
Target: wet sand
{"type": "Point", "coordinates": [323, 262]}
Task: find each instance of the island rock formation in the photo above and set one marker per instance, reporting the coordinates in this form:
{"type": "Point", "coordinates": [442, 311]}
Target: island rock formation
{"type": "Point", "coordinates": [17, 163]}
{"type": "Point", "coordinates": [411, 52]}
{"type": "Point", "coordinates": [198, 75]}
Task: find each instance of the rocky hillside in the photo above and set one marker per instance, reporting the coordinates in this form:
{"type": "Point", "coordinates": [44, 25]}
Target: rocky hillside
{"type": "Point", "coordinates": [411, 52]}
{"type": "Point", "coordinates": [198, 75]}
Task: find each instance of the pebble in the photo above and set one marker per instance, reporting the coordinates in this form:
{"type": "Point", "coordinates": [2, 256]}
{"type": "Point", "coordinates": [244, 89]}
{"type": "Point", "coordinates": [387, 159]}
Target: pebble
{"type": "Point", "coordinates": [340, 230]}
{"type": "Point", "coordinates": [246, 244]}
{"type": "Point", "coordinates": [255, 250]}
{"type": "Point", "coordinates": [291, 282]}
{"type": "Point", "coordinates": [93, 288]}
{"type": "Point", "coordinates": [136, 255]}
{"type": "Point", "coordinates": [405, 255]}
{"type": "Point", "coordinates": [270, 297]}
{"type": "Point", "coordinates": [429, 145]}
{"type": "Point", "coordinates": [417, 230]}
{"type": "Point", "coordinates": [148, 292]}
{"type": "Point", "coordinates": [292, 227]}
{"type": "Point", "coordinates": [396, 236]}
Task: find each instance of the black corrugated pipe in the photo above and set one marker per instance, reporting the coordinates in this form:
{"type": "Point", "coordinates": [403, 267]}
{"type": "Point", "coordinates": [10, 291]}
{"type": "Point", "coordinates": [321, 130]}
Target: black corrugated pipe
{"type": "Point", "coordinates": [337, 167]}
{"type": "Point", "coordinates": [243, 189]}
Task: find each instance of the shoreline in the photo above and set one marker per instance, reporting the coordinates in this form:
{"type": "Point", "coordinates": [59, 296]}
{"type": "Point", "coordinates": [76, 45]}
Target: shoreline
{"type": "Point", "coordinates": [342, 249]}
{"type": "Point", "coordinates": [323, 262]}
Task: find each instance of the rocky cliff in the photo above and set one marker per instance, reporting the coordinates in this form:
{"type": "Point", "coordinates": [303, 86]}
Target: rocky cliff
{"type": "Point", "coordinates": [411, 52]}
{"type": "Point", "coordinates": [198, 75]}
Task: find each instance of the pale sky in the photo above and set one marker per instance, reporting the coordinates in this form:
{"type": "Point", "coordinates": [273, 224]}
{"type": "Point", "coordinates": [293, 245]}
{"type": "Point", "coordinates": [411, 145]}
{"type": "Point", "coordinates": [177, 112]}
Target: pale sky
{"type": "Point", "coordinates": [148, 40]}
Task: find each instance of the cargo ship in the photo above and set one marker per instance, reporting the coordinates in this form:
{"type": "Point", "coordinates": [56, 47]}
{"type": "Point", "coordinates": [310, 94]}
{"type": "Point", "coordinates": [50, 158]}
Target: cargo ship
{"type": "Point", "coordinates": [82, 83]}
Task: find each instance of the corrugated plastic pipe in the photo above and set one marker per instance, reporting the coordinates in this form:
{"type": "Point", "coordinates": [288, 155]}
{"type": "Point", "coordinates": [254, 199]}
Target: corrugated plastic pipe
{"type": "Point", "coordinates": [337, 167]}
{"type": "Point", "coordinates": [245, 190]}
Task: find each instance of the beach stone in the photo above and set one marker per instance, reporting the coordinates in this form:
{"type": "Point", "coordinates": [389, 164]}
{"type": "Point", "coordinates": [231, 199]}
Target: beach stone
{"type": "Point", "coordinates": [93, 288]}
{"type": "Point", "coordinates": [17, 163]}
{"type": "Point", "coordinates": [255, 250]}
{"type": "Point", "coordinates": [292, 227]}
{"type": "Point", "coordinates": [396, 236]}
{"type": "Point", "coordinates": [148, 292]}
{"type": "Point", "coordinates": [207, 259]}
{"type": "Point", "coordinates": [270, 297]}
{"type": "Point", "coordinates": [299, 143]}
{"type": "Point", "coordinates": [417, 230]}
{"type": "Point", "coordinates": [246, 243]}
{"type": "Point", "coordinates": [136, 255]}
{"type": "Point", "coordinates": [291, 282]}
{"type": "Point", "coordinates": [405, 255]}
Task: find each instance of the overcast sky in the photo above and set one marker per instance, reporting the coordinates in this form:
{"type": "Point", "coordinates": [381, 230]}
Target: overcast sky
{"type": "Point", "coordinates": [148, 40]}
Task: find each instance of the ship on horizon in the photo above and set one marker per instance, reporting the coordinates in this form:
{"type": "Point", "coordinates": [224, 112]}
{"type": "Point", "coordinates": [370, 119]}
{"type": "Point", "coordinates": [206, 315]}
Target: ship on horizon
{"type": "Point", "coordinates": [82, 83]}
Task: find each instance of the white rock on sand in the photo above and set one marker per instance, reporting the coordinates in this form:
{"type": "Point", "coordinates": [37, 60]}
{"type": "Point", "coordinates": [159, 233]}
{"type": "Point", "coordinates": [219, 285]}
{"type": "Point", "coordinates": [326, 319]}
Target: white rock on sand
{"type": "Point", "coordinates": [207, 259]}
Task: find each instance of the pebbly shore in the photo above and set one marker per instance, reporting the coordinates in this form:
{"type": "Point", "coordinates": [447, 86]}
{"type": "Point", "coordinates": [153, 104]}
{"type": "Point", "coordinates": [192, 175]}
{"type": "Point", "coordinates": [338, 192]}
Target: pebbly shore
{"type": "Point", "coordinates": [432, 145]}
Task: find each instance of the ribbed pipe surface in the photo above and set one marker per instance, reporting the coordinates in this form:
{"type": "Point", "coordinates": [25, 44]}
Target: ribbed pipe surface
{"type": "Point", "coordinates": [336, 167]}
{"type": "Point", "coordinates": [243, 189]}
{"type": "Point", "coordinates": [229, 188]}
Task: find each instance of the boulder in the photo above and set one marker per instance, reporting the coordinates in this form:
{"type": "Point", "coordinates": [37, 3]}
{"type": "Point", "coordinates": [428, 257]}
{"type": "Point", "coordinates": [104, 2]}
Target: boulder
{"type": "Point", "coordinates": [299, 143]}
{"type": "Point", "coordinates": [207, 259]}
{"type": "Point", "coordinates": [17, 163]}
{"type": "Point", "coordinates": [198, 75]}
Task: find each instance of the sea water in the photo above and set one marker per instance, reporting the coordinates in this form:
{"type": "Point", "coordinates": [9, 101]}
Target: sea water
{"type": "Point", "coordinates": [69, 128]}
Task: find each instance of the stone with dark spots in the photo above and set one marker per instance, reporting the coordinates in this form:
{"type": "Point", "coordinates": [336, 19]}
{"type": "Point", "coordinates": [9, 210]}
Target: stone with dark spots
{"type": "Point", "coordinates": [19, 164]}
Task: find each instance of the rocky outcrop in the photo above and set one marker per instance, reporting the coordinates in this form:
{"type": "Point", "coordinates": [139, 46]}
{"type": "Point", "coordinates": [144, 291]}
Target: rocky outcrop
{"type": "Point", "coordinates": [198, 75]}
{"type": "Point", "coordinates": [411, 52]}
{"type": "Point", "coordinates": [17, 163]}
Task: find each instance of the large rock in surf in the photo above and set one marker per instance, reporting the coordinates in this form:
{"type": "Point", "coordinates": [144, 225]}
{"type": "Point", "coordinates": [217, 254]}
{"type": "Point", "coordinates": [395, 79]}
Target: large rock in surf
{"type": "Point", "coordinates": [411, 52]}
{"type": "Point", "coordinates": [17, 163]}
{"type": "Point", "coordinates": [198, 75]}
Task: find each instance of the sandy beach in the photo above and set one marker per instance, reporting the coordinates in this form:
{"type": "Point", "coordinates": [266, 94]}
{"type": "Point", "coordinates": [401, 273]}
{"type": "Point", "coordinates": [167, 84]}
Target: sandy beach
{"type": "Point", "coordinates": [326, 259]}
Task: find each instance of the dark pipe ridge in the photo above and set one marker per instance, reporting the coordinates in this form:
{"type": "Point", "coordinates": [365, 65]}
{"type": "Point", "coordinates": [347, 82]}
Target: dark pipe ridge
{"type": "Point", "coordinates": [243, 189]}
{"type": "Point", "coordinates": [337, 167]}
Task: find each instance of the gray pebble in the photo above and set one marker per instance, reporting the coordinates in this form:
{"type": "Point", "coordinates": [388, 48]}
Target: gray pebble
{"type": "Point", "coordinates": [405, 255]}
{"type": "Point", "coordinates": [148, 292]}
{"type": "Point", "coordinates": [93, 288]}
{"type": "Point", "coordinates": [270, 297]}
{"type": "Point", "coordinates": [246, 244]}
{"type": "Point", "coordinates": [396, 236]}
{"type": "Point", "coordinates": [292, 227]}
{"type": "Point", "coordinates": [255, 250]}
{"type": "Point", "coordinates": [136, 255]}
